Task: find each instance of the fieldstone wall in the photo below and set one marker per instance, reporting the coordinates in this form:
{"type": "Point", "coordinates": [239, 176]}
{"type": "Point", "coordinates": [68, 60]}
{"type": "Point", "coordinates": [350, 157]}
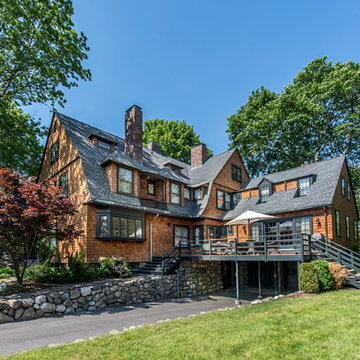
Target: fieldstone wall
{"type": "Point", "coordinates": [195, 278]}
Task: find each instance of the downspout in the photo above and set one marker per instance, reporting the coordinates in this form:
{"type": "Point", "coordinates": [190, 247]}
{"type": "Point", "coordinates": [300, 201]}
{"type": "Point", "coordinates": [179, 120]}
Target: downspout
{"type": "Point", "coordinates": [151, 222]}
{"type": "Point", "coordinates": [326, 225]}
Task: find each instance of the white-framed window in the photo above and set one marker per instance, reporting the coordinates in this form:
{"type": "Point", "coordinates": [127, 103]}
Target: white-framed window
{"type": "Point", "coordinates": [175, 192]}
{"type": "Point", "coordinates": [264, 193]}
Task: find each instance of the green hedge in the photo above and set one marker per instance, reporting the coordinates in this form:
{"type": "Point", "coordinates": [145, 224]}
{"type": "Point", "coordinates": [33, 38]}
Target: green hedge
{"type": "Point", "coordinates": [326, 281]}
{"type": "Point", "coordinates": [309, 281]}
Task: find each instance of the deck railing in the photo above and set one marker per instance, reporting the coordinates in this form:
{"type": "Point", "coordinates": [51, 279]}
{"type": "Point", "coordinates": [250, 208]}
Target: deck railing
{"type": "Point", "coordinates": [263, 246]}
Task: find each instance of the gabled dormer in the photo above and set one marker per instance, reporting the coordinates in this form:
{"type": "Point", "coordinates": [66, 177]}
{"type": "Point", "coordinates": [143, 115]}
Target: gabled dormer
{"type": "Point", "coordinates": [101, 142]}
{"type": "Point", "coordinates": [265, 190]}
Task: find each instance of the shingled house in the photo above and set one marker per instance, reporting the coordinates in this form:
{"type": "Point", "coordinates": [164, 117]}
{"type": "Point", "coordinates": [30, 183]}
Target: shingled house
{"type": "Point", "coordinates": [138, 203]}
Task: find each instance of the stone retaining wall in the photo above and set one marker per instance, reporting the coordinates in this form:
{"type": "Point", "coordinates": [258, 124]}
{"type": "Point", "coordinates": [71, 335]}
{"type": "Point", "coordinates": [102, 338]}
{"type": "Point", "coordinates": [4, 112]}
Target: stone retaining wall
{"type": "Point", "coordinates": [196, 278]}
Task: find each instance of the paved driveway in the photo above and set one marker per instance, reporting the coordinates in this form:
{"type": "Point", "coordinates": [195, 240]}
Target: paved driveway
{"type": "Point", "coordinates": [25, 335]}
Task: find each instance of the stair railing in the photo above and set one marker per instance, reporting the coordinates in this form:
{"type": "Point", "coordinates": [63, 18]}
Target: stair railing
{"type": "Point", "coordinates": [171, 258]}
{"type": "Point", "coordinates": [337, 252]}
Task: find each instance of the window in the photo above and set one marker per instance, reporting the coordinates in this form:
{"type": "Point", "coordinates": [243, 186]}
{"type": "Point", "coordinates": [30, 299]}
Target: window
{"type": "Point", "coordinates": [227, 201]}
{"type": "Point", "coordinates": [104, 144]}
{"type": "Point", "coordinates": [235, 199]}
{"type": "Point", "coordinates": [236, 173]}
{"type": "Point", "coordinates": [54, 152]}
{"type": "Point", "coordinates": [181, 235]}
{"type": "Point", "coordinates": [198, 235]}
{"type": "Point", "coordinates": [342, 186]}
{"type": "Point", "coordinates": [220, 199]}
{"type": "Point", "coordinates": [304, 186]}
{"type": "Point", "coordinates": [356, 230]}
{"type": "Point", "coordinates": [126, 228]}
{"type": "Point", "coordinates": [175, 193]}
{"type": "Point", "coordinates": [125, 181]}
{"type": "Point", "coordinates": [197, 194]}
{"type": "Point", "coordinates": [63, 182]}
{"type": "Point", "coordinates": [264, 193]}
{"type": "Point", "coordinates": [337, 222]}
{"type": "Point", "coordinates": [150, 188]}
{"type": "Point", "coordinates": [103, 225]}
{"type": "Point", "coordinates": [347, 224]}
{"type": "Point", "coordinates": [348, 190]}
{"type": "Point", "coordinates": [187, 193]}
{"type": "Point", "coordinates": [230, 230]}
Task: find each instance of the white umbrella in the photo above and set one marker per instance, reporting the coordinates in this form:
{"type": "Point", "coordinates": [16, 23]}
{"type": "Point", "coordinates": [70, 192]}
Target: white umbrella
{"type": "Point", "coordinates": [250, 217]}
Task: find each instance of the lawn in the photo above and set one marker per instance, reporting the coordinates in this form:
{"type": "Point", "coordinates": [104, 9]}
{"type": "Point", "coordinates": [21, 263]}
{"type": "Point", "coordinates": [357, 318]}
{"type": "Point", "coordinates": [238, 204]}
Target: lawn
{"type": "Point", "coordinates": [321, 327]}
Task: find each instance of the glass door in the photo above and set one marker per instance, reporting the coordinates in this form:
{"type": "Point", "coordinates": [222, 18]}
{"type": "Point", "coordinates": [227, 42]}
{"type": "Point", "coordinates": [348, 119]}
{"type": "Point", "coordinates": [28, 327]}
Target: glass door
{"type": "Point", "coordinates": [198, 235]}
{"type": "Point", "coordinates": [181, 235]}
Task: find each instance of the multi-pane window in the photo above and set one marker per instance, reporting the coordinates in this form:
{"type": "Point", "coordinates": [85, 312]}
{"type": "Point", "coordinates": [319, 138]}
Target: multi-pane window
{"type": "Point", "coordinates": [181, 235]}
{"type": "Point", "coordinates": [264, 193]}
{"type": "Point", "coordinates": [175, 190]}
{"type": "Point", "coordinates": [63, 182]}
{"type": "Point", "coordinates": [227, 201]}
{"type": "Point", "coordinates": [348, 191]}
{"type": "Point", "coordinates": [347, 224]}
{"type": "Point", "coordinates": [126, 227]}
{"type": "Point", "coordinates": [337, 222]}
{"type": "Point", "coordinates": [342, 186]}
{"type": "Point", "coordinates": [197, 193]}
{"type": "Point", "coordinates": [151, 188]}
{"type": "Point", "coordinates": [304, 186]}
{"type": "Point", "coordinates": [235, 199]}
{"type": "Point", "coordinates": [103, 225]}
{"type": "Point", "coordinates": [356, 230]}
{"type": "Point", "coordinates": [125, 180]}
{"type": "Point", "coordinates": [220, 199]}
{"type": "Point", "coordinates": [187, 193]}
{"type": "Point", "coordinates": [236, 173]}
{"type": "Point", "coordinates": [54, 152]}
{"type": "Point", "coordinates": [104, 144]}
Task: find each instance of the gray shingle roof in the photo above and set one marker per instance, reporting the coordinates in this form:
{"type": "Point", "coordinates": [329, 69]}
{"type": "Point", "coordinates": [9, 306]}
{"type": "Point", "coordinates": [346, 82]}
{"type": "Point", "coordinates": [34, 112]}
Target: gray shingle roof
{"type": "Point", "coordinates": [321, 192]}
{"type": "Point", "coordinates": [94, 157]}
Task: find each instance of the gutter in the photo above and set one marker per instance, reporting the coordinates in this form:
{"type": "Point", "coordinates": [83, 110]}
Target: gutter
{"type": "Point", "coordinates": [151, 222]}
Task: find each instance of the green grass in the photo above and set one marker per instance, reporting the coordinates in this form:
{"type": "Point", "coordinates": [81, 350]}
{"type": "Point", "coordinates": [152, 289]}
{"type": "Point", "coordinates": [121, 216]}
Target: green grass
{"type": "Point", "coordinates": [321, 327]}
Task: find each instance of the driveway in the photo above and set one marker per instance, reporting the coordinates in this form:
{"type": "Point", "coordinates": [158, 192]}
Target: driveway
{"type": "Point", "coordinates": [25, 335]}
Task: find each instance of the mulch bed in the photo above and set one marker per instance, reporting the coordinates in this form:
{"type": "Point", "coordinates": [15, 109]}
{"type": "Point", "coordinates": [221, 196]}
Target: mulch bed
{"type": "Point", "coordinates": [301, 294]}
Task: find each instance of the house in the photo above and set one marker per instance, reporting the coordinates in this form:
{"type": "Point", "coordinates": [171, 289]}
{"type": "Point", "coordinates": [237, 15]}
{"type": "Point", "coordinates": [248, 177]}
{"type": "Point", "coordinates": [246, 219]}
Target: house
{"type": "Point", "coordinates": [138, 203]}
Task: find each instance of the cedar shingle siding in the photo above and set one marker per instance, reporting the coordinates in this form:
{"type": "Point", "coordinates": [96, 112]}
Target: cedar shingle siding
{"type": "Point", "coordinates": [93, 178]}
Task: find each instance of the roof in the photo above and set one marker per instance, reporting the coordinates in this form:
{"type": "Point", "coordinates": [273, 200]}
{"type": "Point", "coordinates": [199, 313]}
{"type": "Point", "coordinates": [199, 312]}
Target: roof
{"type": "Point", "coordinates": [94, 158]}
{"type": "Point", "coordinates": [321, 192]}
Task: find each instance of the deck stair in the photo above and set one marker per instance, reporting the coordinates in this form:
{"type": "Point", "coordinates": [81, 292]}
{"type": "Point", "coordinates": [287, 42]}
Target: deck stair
{"type": "Point", "coordinates": [152, 267]}
{"type": "Point", "coordinates": [332, 252]}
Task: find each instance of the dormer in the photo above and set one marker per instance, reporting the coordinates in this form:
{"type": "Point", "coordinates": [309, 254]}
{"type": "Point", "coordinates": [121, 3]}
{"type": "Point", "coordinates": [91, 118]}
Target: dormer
{"type": "Point", "coordinates": [265, 191]}
{"type": "Point", "coordinates": [101, 142]}
{"type": "Point", "coordinates": [173, 167]}
{"type": "Point", "coordinates": [304, 184]}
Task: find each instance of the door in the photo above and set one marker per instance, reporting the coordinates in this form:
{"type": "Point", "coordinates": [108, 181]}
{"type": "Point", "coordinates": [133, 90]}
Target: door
{"type": "Point", "coordinates": [198, 235]}
{"type": "Point", "coordinates": [181, 235]}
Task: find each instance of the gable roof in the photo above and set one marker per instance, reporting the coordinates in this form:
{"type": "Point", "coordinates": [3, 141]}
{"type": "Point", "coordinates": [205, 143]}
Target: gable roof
{"type": "Point", "coordinates": [94, 158]}
{"type": "Point", "coordinates": [321, 192]}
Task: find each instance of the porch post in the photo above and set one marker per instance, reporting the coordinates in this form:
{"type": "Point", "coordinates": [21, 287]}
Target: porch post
{"type": "Point", "coordinates": [259, 280]}
{"type": "Point", "coordinates": [237, 301]}
{"type": "Point", "coordinates": [298, 274]}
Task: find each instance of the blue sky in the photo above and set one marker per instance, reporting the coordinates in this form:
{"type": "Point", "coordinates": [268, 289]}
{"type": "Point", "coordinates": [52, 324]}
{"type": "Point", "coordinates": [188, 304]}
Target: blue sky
{"type": "Point", "coordinates": [198, 60]}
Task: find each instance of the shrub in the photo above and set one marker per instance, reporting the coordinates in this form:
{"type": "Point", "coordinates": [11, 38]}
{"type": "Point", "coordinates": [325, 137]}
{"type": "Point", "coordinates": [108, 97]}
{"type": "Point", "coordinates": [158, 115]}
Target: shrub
{"type": "Point", "coordinates": [6, 272]}
{"type": "Point", "coordinates": [338, 274]}
{"type": "Point", "coordinates": [113, 266]}
{"type": "Point", "coordinates": [325, 279]}
{"type": "Point", "coordinates": [46, 273]}
{"type": "Point", "coordinates": [80, 269]}
{"type": "Point", "coordinates": [309, 281]}
{"type": "Point", "coordinates": [45, 251]}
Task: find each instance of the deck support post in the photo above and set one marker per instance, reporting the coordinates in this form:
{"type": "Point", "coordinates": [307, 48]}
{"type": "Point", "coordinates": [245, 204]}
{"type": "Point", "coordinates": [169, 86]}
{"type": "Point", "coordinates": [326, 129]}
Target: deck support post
{"type": "Point", "coordinates": [276, 278]}
{"type": "Point", "coordinates": [237, 281]}
{"type": "Point", "coordinates": [259, 280]}
{"type": "Point", "coordinates": [298, 274]}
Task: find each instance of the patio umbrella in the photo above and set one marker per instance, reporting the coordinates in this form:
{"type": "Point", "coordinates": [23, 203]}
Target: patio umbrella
{"type": "Point", "coordinates": [250, 217]}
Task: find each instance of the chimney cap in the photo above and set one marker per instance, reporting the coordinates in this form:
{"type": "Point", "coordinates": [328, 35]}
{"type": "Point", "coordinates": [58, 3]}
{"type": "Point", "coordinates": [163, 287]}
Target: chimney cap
{"type": "Point", "coordinates": [135, 106]}
{"type": "Point", "coordinates": [195, 146]}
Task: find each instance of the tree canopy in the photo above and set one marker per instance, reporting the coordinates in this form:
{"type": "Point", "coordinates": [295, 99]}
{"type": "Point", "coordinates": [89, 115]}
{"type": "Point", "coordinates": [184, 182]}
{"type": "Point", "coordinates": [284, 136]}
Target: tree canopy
{"type": "Point", "coordinates": [315, 117]}
{"type": "Point", "coordinates": [175, 137]}
{"type": "Point", "coordinates": [40, 55]}
{"type": "Point", "coordinates": [28, 213]}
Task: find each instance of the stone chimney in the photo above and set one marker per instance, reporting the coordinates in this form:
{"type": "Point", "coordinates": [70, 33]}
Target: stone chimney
{"type": "Point", "coordinates": [198, 155]}
{"type": "Point", "coordinates": [154, 146]}
{"type": "Point", "coordinates": [134, 132]}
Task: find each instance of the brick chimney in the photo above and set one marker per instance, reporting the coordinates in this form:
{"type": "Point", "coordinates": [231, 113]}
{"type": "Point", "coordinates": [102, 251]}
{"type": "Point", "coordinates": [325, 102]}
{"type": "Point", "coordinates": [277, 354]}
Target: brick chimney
{"type": "Point", "coordinates": [198, 155]}
{"type": "Point", "coordinates": [134, 132]}
{"type": "Point", "coordinates": [154, 146]}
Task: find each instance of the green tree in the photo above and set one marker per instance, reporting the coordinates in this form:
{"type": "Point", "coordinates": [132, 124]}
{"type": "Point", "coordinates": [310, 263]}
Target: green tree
{"type": "Point", "coordinates": [40, 55]}
{"type": "Point", "coordinates": [315, 117]}
{"type": "Point", "coordinates": [175, 137]}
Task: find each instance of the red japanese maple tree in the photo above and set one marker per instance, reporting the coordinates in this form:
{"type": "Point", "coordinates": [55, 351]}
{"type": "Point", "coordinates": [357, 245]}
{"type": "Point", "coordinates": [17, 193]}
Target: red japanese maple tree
{"type": "Point", "coordinates": [28, 213]}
